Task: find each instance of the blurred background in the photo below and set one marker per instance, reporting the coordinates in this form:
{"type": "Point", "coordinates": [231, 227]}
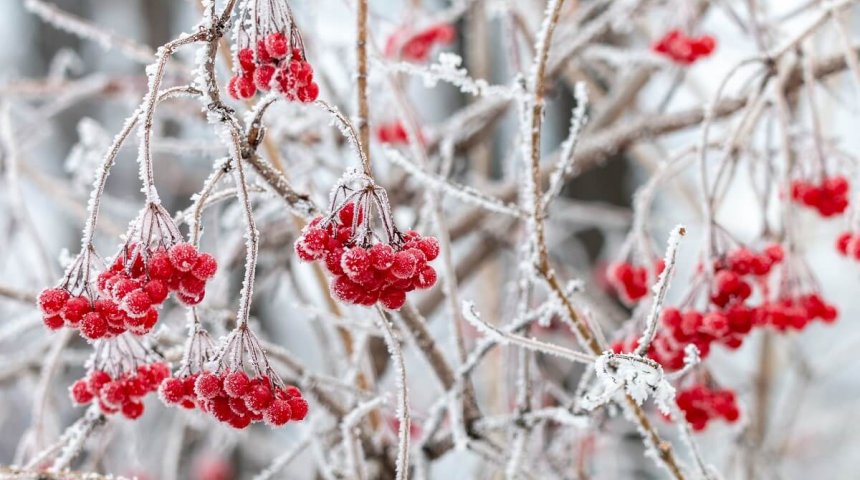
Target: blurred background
{"type": "Point", "coordinates": [63, 98]}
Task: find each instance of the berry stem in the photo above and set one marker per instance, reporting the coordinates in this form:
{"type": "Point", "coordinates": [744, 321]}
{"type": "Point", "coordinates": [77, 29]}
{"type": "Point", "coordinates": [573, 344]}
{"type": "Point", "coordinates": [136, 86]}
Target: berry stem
{"type": "Point", "coordinates": [147, 175]}
{"type": "Point", "coordinates": [361, 80]}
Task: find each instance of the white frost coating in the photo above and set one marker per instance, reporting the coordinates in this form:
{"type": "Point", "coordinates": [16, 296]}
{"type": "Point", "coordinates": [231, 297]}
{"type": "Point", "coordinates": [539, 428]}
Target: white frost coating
{"type": "Point", "coordinates": [564, 168]}
{"type": "Point", "coordinates": [77, 26]}
{"type": "Point", "coordinates": [393, 346]}
{"type": "Point", "coordinates": [637, 377]}
{"type": "Point", "coordinates": [660, 289]}
{"type": "Point", "coordinates": [448, 70]}
{"type": "Point", "coordinates": [462, 192]}
{"type": "Point", "coordinates": [471, 315]}
{"type": "Point", "coordinates": [86, 155]}
{"type": "Point", "coordinates": [354, 459]}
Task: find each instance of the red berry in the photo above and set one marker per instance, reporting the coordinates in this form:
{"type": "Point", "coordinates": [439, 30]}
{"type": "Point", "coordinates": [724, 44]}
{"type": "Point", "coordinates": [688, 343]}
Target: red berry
{"type": "Point", "coordinates": [191, 285]}
{"type": "Point", "coordinates": [393, 298]}
{"type": "Point", "coordinates": [355, 261]}
{"type": "Point", "coordinates": [430, 247]}
{"type": "Point", "coordinates": [263, 77]}
{"type": "Point", "coordinates": [122, 288]}
{"type": "Point", "coordinates": [137, 303]}
{"type": "Point", "coordinates": [114, 393]}
{"type": "Point", "coordinates": [81, 393]}
{"type": "Point", "coordinates": [132, 409]}
{"type": "Point", "coordinates": [404, 265]}
{"type": "Point", "coordinates": [52, 300]}
{"type": "Point", "coordinates": [190, 300]}
{"type": "Point", "coordinates": [183, 256]}
{"type": "Point", "coordinates": [345, 289]}
{"type": "Point", "coordinates": [160, 267]}
{"type": "Point", "coordinates": [75, 309]}
{"type": "Point", "coordinates": [157, 291]}
{"type": "Point", "coordinates": [53, 322]}
{"type": "Point", "coordinates": [93, 326]}
{"type": "Point", "coordinates": [205, 267]}
{"type": "Point", "coordinates": [381, 256]}
{"type": "Point", "coordinates": [207, 385]}
{"type": "Point", "coordinates": [426, 278]}
{"type": "Point", "coordinates": [258, 397]}
{"type": "Point", "coordinates": [246, 60]}
{"type": "Point", "coordinates": [278, 413]}
{"type": "Point", "coordinates": [276, 45]}
{"type": "Point", "coordinates": [299, 408]}
{"type": "Point", "coordinates": [171, 390]}
{"type": "Point", "coordinates": [236, 383]}
{"type": "Point", "coordinates": [842, 242]}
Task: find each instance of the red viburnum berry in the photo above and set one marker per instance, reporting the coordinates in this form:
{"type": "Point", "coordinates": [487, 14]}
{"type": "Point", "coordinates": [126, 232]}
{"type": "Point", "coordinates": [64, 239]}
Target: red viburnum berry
{"type": "Point", "coordinates": [75, 309]}
{"type": "Point", "coordinates": [246, 60]}
{"type": "Point", "coordinates": [80, 392]}
{"type": "Point", "coordinates": [156, 290]}
{"type": "Point", "coordinates": [277, 45]}
{"type": "Point", "coordinates": [52, 300]}
{"type": "Point", "coordinates": [278, 413]}
{"type": "Point", "coordinates": [355, 261]}
{"type": "Point", "coordinates": [183, 256]}
{"type": "Point", "coordinates": [205, 267]}
{"type": "Point", "coordinates": [160, 266]}
{"type": "Point", "coordinates": [93, 326]}
{"type": "Point", "coordinates": [172, 390]}
{"type": "Point", "coordinates": [404, 265]}
{"type": "Point", "coordinates": [298, 408]}
{"type": "Point", "coordinates": [137, 303]}
{"type": "Point", "coordinates": [393, 298]}
{"type": "Point", "coordinates": [132, 409]}
{"type": "Point", "coordinates": [258, 397]}
{"type": "Point", "coordinates": [53, 322]}
{"type": "Point", "coordinates": [236, 384]}
{"type": "Point", "coordinates": [207, 385]}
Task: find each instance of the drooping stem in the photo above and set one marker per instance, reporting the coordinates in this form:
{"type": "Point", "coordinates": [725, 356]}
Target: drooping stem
{"type": "Point", "coordinates": [156, 75]}
{"type": "Point", "coordinates": [544, 269]}
{"type": "Point", "coordinates": [361, 82]}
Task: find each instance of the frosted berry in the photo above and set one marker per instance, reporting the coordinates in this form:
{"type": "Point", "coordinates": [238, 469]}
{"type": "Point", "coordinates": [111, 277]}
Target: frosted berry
{"type": "Point", "coordinates": [299, 408]}
{"type": "Point", "coordinates": [207, 385]}
{"type": "Point", "coordinates": [93, 326]}
{"type": "Point", "coordinates": [236, 384]}
{"type": "Point", "coordinates": [205, 267]}
{"type": "Point", "coordinates": [81, 393]}
{"type": "Point", "coordinates": [132, 410]}
{"type": "Point", "coordinates": [355, 261]}
{"type": "Point", "coordinates": [75, 309]}
{"type": "Point", "coordinates": [276, 45]}
{"type": "Point", "coordinates": [52, 300]}
{"type": "Point", "coordinates": [156, 290]}
{"type": "Point", "coordinates": [278, 413]}
{"type": "Point", "coordinates": [137, 303]}
{"type": "Point", "coordinates": [183, 256]}
{"type": "Point", "coordinates": [258, 397]}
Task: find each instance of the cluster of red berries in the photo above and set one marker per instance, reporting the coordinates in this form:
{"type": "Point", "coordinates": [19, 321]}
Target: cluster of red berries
{"type": "Point", "coordinates": [366, 274]}
{"type": "Point", "coordinates": [727, 324]}
{"type": "Point", "coordinates": [130, 291]}
{"type": "Point", "coordinates": [829, 198]}
{"type": "Point", "coordinates": [124, 394]}
{"type": "Point", "coordinates": [684, 49]}
{"type": "Point", "coordinates": [416, 47]}
{"type": "Point", "coordinates": [275, 64]}
{"type": "Point", "coordinates": [394, 133]}
{"type": "Point", "coordinates": [701, 404]}
{"type": "Point", "coordinates": [848, 244]}
{"type": "Point", "coordinates": [796, 312]}
{"type": "Point", "coordinates": [233, 398]}
{"type": "Point", "coordinates": [630, 281]}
